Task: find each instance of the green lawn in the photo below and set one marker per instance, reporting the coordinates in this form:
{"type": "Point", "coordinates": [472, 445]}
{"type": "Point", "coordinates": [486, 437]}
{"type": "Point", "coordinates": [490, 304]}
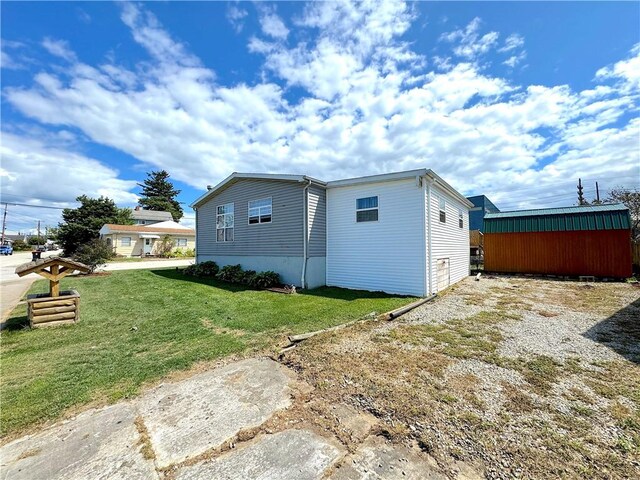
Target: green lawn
{"type": "Point", "coordinates": [137, 326]}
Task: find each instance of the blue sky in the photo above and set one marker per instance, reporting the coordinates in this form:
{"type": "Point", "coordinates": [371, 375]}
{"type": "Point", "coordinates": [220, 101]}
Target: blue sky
{"type": "Point", "coordinates": [513, 100]}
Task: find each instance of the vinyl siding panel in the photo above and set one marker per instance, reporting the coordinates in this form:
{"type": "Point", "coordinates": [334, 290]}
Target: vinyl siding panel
{"type": "Point", "coordinates": [387, 255]}
{"type": "Point", "coordinates": [448, 240]}
{"type": "Point", "coordinates": [317, 222]}
{"type": "Point", "coordinates": [282, 237]}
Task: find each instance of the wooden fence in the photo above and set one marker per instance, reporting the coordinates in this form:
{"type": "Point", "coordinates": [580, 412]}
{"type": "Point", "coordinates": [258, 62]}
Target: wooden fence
{"type": "Point", "coordinates": [635, 252]}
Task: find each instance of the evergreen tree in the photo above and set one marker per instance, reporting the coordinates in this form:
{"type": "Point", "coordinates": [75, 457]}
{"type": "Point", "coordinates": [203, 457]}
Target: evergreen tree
{"type": "Point", "coordinates": [158, 194]}
{"type": "Point", "coordinates": [81, 225]}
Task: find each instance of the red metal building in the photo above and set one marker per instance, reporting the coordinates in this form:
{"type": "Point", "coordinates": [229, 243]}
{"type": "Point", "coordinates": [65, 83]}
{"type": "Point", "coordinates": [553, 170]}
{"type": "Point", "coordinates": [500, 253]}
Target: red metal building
{"type": "Point", "coordinates": [573, 241]}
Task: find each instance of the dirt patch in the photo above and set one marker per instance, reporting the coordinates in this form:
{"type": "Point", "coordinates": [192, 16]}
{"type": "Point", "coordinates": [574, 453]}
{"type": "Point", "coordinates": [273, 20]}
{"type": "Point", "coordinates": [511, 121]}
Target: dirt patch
{"type": "Point", "coordinates": [505, 373]}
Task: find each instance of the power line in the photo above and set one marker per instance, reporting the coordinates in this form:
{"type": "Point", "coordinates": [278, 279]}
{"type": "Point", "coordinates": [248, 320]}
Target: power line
{"type": "Point", "coordinates": [34, 206]}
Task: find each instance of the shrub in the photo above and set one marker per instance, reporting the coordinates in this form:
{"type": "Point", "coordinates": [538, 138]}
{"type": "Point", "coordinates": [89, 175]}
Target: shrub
{"type": "Point", "coordinates": [19, 245]}
{"type": "Point", "coordinates": [205, 269]}
{"type": "Point", "coordinates": [265, 280]}
{"type": "Point", "coordinates": [247, 277]}
{"type": "Point", "coordinates": [164, 247]}
{"type": "Point", "coordinates": [190, 252]}
{"type": "Point", "coordinates": [231, 274]}
{"type": "Point", "coordinates": [94, 253]}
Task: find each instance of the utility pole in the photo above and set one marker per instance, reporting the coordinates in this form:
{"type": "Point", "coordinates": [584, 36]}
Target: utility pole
{"type": "Point", "coordinates": [38, 232]}
{"type": "Point", "coordinates": [597, 194]}
{"type": "Point", "coordinates": [580, 196]}
{"type": "Point", "coordinates": [4, 223]}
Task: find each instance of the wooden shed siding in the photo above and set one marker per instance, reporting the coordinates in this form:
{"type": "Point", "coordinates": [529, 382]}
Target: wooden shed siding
{"type": "Point", "coordinates": [282, 237]}
{"type": "Point", "coordinates": [605, 253]}
{"type": "Point", "coordinates": [317, 221]}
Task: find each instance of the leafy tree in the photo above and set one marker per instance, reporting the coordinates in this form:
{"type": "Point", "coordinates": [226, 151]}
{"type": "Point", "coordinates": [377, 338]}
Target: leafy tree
{"type": "Point", "coordinates": [631, 199]}
{"type": "Point", "coordinates": [94, 253]}
{"type": "Point", "coordinates": [158, 194]}
{"type": "Point", "coordinates": [20, 245]}
{"type": "Point", "coordinates": [52, 233]}
{"type": "Point", "coordinates": [81, 225]}
{"type": "Point", "coordinates": [36, 240]}
{"type": "Point", "coordinates": [164, 247]}
{"type": "Point", "coordinates": [124, 217]}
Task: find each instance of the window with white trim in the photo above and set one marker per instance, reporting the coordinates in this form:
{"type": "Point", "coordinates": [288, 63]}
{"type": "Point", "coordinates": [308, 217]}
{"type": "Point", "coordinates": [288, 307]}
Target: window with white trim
{"type": "Point", "coordinates": [367, 209]}
{"type": "Point", "coordinates": [224, 223]}
{"type": "Point", "coordinates": [260, 211]}
{"type": "Point", "coordinates": [460, 219]}
{"type": "Point", "coordinates": [443, 210]}
{"type": "Point", "coordinates": [125, 241]}
{"type": "Point", "coordinates": [181, 242]}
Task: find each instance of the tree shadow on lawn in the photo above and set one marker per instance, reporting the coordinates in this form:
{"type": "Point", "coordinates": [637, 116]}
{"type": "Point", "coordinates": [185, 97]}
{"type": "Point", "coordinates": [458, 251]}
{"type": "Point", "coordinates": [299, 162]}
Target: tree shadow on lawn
{"type": "Point", "coordinates": [325, 292]}
{"type": "Point", "coordinates": [18, 322]}
{"type": "Point", "coordinates": [620, 332]}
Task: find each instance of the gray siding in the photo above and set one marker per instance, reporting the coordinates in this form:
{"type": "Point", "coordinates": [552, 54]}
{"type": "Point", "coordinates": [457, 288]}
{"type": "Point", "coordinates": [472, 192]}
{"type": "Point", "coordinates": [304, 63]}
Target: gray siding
{"type": "Point", "coordinates": [317, 222]}
{"type": "Point", "coordinates": [282, 237]}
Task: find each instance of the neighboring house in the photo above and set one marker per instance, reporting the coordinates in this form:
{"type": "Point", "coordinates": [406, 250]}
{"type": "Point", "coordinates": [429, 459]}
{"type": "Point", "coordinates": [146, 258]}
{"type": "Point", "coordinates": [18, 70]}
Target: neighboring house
{"type": "Point", "coordinates": [573, 241]}
{"type": "Point", "coordinates": [149, 217]}
{"type": "Point", "coordinates": [481, 206]}
{"type": "Point", "coordinates": [141, 240]}
{"type": "Point", "coordinates": [9, 238]}
{"type": "Point", "coordinates": [404, 232]}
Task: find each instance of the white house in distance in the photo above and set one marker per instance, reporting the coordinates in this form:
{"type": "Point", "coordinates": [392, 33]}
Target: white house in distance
{"type": "Point", "coordinates": [141, 240]}
{"type": "Point", "coordinates": [404, 232]}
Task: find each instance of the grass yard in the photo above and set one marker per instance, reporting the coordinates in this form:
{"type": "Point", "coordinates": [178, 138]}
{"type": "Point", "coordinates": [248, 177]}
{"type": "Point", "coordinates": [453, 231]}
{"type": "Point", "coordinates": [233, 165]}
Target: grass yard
{"type": "Point", "coordinates": [137, 326]}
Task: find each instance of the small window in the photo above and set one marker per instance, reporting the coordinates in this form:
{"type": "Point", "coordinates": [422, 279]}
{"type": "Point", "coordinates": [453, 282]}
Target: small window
{"type": "Point", "coordinates": [460, 219]}
{"type": "Point", "coordinates": [125, 241]}
{"type": "Point", "coordinates": [443, 210]}
{"type": "Point", "coordinates": [260, 211]}
{"type": "Point", "coordinates": [367, 209]}
{"type": "Point", "coordinates": [224, 223]}
{"type": "Point", "coordinates": [181, 242]}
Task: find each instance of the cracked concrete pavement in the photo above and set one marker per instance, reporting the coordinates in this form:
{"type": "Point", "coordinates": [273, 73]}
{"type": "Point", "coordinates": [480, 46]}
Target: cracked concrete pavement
{"type": "Point", "coordinates": [192, 429]}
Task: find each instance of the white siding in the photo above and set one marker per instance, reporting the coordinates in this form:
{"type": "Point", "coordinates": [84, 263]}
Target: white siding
{"type": "Point", "coordinates": [388, 255]}
{"type": "Point", "coordinates": [448, 240]}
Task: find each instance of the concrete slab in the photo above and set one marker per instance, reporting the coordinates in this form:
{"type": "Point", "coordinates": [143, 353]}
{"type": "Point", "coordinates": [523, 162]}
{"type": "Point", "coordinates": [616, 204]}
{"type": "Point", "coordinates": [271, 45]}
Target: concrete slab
{"type": "Point", "coordinates": [97, 444]}
{"type": "Point", "coordinates": [288, 455]}
{"type": "Point", "coordinates": [378, 459]}
{"type": "Point", "coordinates": [188, 418]}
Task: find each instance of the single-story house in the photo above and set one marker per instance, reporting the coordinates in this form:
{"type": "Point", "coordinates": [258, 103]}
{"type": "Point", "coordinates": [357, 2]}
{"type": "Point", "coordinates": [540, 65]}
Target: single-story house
{"type": "Point", "coordinates": [404, 232]}
{"type": "Point", "coordinates": [149, 217]}
{"type": "Point", "coordinates": [592, 240]}
{"type": "Point", "coordinates": [142, 240]}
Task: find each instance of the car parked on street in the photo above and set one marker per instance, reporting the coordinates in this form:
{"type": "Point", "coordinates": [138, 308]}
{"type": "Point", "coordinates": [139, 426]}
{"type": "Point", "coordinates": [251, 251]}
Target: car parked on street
{"type": "Point", "coordinates": [6, 250]}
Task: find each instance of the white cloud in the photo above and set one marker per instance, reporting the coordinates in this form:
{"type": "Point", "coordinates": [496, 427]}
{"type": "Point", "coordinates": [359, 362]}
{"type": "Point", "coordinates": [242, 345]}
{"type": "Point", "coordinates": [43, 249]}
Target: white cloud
{"type": "Point", "coordinates": [468, 41]}
{"type": "Point", "coordinates": [367, 104]}
{"type": "Point", "coordinates": [627, 70]}
{"type": "Point", "coordinates": [272, 25]}
{"type": "Point", "coordinates": [47, 172]}
{"type": "Point", "coordinates": [512, 42]}
{"type": "Point", "coordinates": [514, 60]}
{"type": "Point", "coordinates": [236, 16]}
{"type": "Point", "coordinates": [59, 48]}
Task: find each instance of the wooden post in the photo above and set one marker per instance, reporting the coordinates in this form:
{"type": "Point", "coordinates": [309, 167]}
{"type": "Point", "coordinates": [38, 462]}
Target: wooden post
{"type": "Point", "coordinates": [54, 284]}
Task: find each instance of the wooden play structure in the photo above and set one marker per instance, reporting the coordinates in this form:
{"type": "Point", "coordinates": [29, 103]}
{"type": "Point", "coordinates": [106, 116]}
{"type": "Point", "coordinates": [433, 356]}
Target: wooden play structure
{"type": "Point", "coordinates": [54, 307]}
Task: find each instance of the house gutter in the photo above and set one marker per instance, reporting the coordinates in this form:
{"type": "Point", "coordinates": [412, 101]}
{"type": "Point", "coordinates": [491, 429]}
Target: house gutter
{"type": "Point", "coordinates": [305, 221]}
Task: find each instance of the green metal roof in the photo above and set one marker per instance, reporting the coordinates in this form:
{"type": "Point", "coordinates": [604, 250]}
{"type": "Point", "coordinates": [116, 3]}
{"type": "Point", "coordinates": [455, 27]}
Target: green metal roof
{"type": "Point", "coordinates": [592, 217]}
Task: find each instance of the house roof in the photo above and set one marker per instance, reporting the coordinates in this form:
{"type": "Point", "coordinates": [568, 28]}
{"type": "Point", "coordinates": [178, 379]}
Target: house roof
{"type": "Point", "coordinates": [584, 217]}
{"type": "Point", "coordinates": [42, 263]}
{"type": "Point", "coordinates": [235, 176]}
{"type": "Point", "coordinates": [142, 214]}
{"type": "Point", "coordinates": [148, 229]}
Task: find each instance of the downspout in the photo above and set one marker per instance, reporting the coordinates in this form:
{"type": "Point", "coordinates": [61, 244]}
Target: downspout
{"type": "Point", "coordinates": [429, 182]}
{"type": "Point", "coordinates": [305, 220]}
{"type": "Point", "coordinates": [195, 238]}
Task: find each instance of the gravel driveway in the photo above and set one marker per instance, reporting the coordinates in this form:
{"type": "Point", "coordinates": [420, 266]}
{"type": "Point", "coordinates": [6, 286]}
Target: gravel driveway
{"type": "Point", "coordinates": [506, 377]}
